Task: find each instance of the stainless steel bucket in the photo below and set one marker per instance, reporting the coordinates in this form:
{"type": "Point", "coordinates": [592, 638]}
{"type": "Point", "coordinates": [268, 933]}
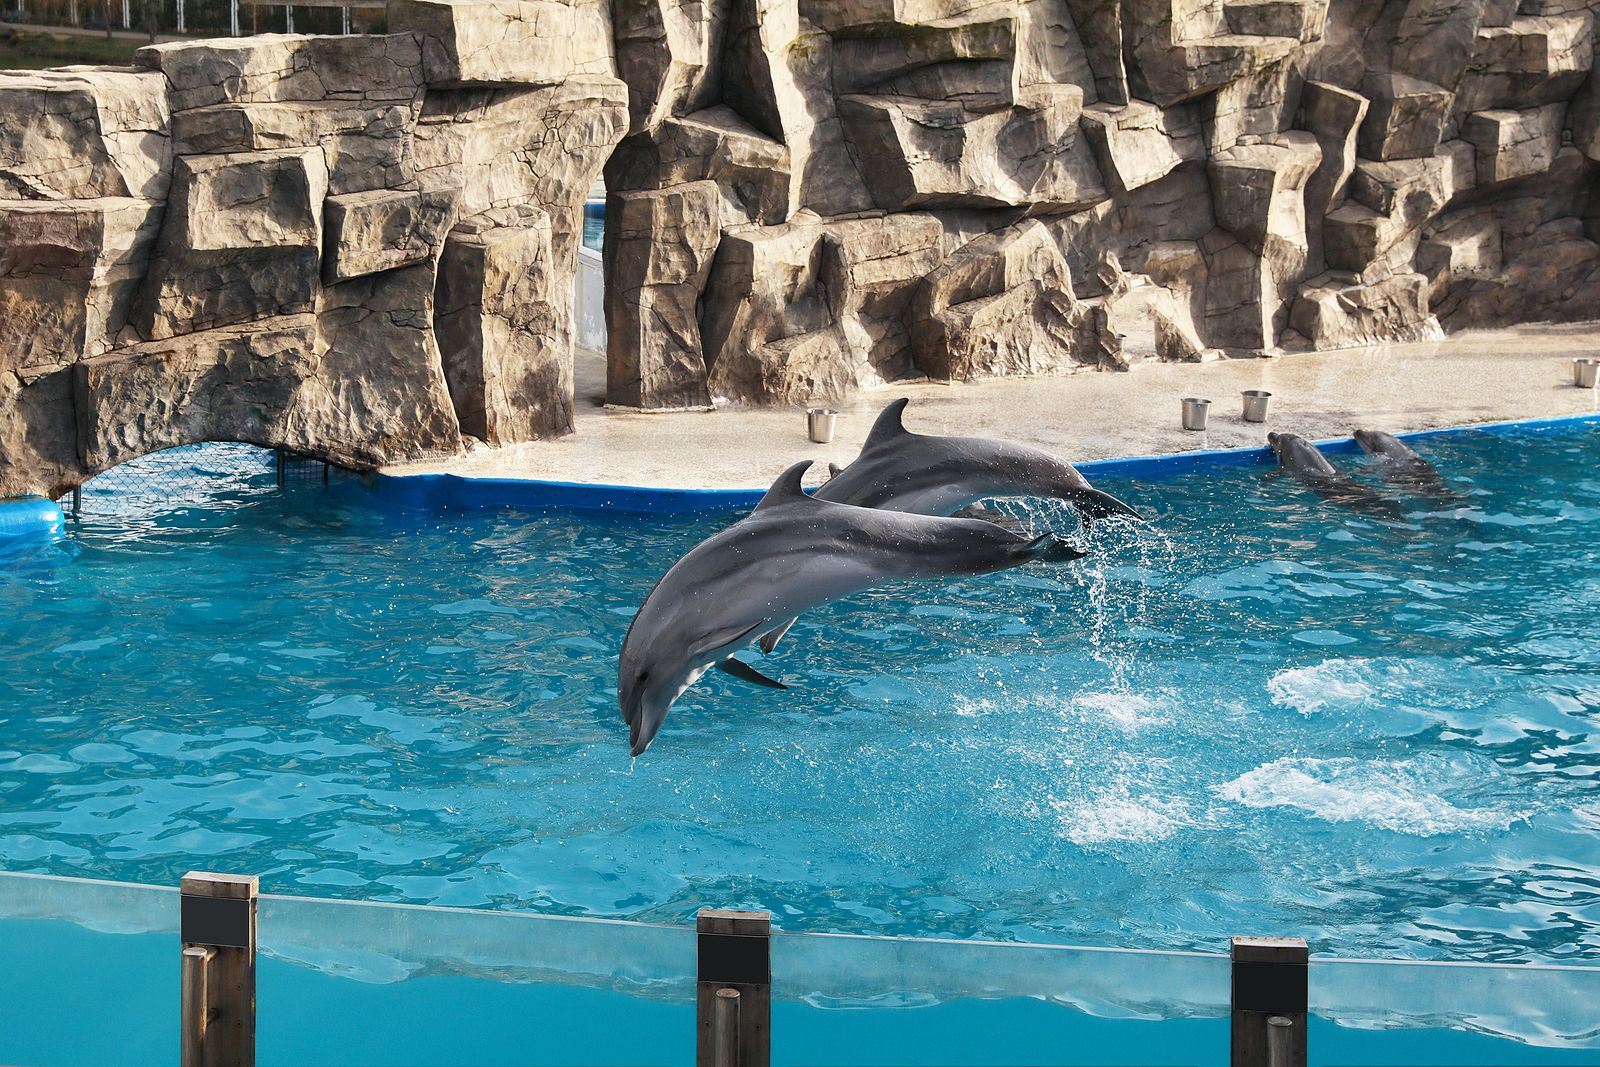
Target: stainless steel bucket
{"type": "Point", "coordinates": [1255, 405]}
{"type": "Point", "coordinates": [820, 423]}
{"type": "Point", "coordinates": [1194, 412]}
{"type": "Point", "coordinates": [1585, 372]}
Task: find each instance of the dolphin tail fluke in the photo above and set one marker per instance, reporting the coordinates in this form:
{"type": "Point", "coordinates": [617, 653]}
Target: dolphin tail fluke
{"type": "Point", "coordinates": [1049, 548]}
{"type": "Point", "coordinates": [744, 672]}
{"type": "Point", "coordinates": [1094, 504]}
{"type": "Point", "coordinates": [770, 639]}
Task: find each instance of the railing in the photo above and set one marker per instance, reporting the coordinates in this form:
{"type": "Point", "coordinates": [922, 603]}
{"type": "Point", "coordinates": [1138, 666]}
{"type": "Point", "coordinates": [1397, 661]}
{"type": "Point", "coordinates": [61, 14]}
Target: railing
{"type": "Point", "coordinates": [380, 983]}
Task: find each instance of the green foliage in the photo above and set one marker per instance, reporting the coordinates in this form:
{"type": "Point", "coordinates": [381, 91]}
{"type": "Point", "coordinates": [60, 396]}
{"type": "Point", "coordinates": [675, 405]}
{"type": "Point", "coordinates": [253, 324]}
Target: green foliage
{"type": "Point", "coordinates": [33, 51]}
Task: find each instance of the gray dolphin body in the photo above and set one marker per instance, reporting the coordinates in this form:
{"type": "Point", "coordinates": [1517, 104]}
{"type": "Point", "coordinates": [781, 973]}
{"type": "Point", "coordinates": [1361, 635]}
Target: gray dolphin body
{"type": "Point", "coordinates": [1401, 465]}
{"type": "Point", "coordinates": [789, 555]}
{"type": "Point", "coordinates": [1302, 459]}
{"type": "Point", "coordinates": [898, 470]}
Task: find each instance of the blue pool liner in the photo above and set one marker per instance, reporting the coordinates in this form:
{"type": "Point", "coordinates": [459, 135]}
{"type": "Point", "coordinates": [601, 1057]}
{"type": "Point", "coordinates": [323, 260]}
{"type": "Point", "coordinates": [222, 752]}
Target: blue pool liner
{"type": "Point", "coordinates": [456, 491]}
{"type": "Point", "coordinates": [30, 516]}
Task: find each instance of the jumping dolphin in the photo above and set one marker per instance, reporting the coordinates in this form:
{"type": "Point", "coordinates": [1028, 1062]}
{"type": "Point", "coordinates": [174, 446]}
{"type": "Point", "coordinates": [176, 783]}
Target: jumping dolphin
{"type": "Point", "coordinates": [1301, 458]}
{"type": "Point", "coordinates": [792, 553]}
{"type": "Point", "coordinates": [1402, 466]}
{"type": "Point", "coordinates": [898, 470]}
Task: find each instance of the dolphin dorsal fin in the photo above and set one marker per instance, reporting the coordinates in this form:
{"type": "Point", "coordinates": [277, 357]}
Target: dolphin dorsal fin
{"type": "Point", "coordinates": [786, 489]}
{"type": "Point", "coordinates": [888, 427]}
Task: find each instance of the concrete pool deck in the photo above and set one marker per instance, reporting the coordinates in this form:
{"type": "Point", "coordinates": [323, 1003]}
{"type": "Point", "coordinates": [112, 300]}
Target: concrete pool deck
{"type": "Point", "coordinates": [1476, 377]}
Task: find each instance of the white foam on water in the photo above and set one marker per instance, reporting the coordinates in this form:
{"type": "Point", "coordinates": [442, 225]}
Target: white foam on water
{"type": "Point", "coordinates": [1402, 797]}
{"type": "Point", "coordinates": [1117, 815]}
{"type": "Point", "coordinates": [971, 707]}
{"type": "Point", "coordinates": [1332, 683]}
{"type": "Point", "coordinates": [1122, 708]}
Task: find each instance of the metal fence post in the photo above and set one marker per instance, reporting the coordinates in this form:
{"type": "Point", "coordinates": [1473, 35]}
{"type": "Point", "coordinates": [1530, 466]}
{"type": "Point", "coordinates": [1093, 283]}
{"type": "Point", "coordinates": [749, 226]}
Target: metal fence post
{"type": "Point", "coordinates": [734, 993]}
{"type": "Point", "coordinates": [217, 924]}
{"type": "Point", "coordinates": [1269, 1001]}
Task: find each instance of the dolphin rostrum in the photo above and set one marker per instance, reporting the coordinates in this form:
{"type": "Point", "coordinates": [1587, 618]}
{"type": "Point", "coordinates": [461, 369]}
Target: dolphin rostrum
{"type": "Point", "coordinates": [1400, 464]}
{"type": "Point", "coordinates": [898, 470]}
{"type": "Point", "coordinates": [790, 554]}
{"type": "Point", "coordinates": [1302, 459]}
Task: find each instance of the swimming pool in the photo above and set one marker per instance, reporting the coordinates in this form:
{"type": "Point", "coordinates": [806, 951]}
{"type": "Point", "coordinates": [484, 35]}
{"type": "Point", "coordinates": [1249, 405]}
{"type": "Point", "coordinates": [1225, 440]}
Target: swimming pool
{"type": "Point", "coordinates": [1255, 715]}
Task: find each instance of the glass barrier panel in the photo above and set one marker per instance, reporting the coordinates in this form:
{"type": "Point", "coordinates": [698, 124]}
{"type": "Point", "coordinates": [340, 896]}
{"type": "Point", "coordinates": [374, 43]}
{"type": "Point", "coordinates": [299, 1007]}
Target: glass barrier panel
{"type": "Point", "coordinates": [88, 973]}
{"type": "Point", "coordinates": [375, 984]}
{"type": "Point", "coordinates": [1453, 1014]}
{"type": "Point", "coordinates": [849, 1001]}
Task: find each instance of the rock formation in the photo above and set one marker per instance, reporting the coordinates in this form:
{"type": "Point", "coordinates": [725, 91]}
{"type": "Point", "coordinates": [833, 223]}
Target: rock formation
{"type": "Point", "coordinates": [361, 248]}
{"type": "Point", "coordinates": [355, 248]}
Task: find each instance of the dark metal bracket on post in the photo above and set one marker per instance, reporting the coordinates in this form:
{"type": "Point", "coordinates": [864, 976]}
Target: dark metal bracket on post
{"type": "Point", "coordinates": [1270, 998]}
{"type": "Point", "coordinates": [733, 999]}
{"type": "Point", "coordinates": [217, 925]}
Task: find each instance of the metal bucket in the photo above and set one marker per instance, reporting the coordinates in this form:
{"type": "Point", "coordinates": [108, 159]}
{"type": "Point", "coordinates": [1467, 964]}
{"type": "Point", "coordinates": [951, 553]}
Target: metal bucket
{"type": "Point", "coordinates": [819, 424]}
{"type": "Point", "coordinates": [1255, 405]}
{"type": "Point", "coordinates": [1194, 412]}
{"type": "Point", "coordinates": [1585, 372]}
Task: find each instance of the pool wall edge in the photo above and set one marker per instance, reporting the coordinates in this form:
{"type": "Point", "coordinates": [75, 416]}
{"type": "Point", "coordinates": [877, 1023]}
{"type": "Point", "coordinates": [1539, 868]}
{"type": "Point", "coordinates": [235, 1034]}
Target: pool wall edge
{"type": "Point", "coordinates": [462, 491]}
{"type": "Point", "coordinates": [30, 516]}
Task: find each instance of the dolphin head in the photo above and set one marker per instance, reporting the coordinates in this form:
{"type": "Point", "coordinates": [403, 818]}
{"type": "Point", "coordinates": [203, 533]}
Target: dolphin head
{"type": "Point", "coordinates": [1276, 442]}
{"type": "Point", "coordinates": [1370, 440]}
{"type": "Point", "coordinates": [652, 672]}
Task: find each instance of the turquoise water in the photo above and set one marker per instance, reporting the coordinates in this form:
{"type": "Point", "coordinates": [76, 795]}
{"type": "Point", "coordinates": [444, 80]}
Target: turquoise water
{"type": "Point", "coordinates": [1259, 714]}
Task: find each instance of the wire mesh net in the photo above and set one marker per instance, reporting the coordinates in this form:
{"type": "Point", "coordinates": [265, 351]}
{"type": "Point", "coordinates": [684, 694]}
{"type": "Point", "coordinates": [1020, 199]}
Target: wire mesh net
{"type": "Point", "coordinates": [211, 475]}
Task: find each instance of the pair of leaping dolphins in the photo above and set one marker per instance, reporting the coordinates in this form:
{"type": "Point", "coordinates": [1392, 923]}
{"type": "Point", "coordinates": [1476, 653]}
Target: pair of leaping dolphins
{"type": "Point", "coordinates": [886, 516]}
{"type": "Point", "coordinates": [1399, 463]}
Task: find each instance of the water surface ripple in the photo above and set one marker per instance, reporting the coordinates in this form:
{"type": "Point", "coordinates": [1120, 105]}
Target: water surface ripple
{"type": "Point", "coordinates": [1260, 714]}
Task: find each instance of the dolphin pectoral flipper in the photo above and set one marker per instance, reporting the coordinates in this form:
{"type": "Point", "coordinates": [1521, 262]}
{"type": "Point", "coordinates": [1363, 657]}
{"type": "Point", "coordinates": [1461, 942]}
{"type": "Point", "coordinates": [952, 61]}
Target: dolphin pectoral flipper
{"type": "Point", "coordinates": [770, 639]}
{"type": "Point", "coordinates": [733, 635]}
{"type": "Point", "coordinates": [743, 671]}
{"type": "Point", "coordinates": [999, 518]}
{"type": "Point", "coordinates": [1051, 549]}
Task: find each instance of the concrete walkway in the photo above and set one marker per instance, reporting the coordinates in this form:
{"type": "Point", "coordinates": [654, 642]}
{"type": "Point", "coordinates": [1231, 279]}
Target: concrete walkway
{"type": "Point", "coordinates": [1475, 377]}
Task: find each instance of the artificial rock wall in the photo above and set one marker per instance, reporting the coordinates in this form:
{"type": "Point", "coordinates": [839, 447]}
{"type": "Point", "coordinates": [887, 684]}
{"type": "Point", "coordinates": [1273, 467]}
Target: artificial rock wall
{"type": "Point", "coordinates": [363, 248]}
{"type": "Point", "coordinates": [357, 248]}
{"type": "Point", "coordinates": [816, 195]}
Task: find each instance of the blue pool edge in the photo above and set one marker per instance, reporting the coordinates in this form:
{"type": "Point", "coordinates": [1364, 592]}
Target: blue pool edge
{"type": "Point", "coordinates": [30, 517]}
{"type": "Point", "coordinates": [463, 491]}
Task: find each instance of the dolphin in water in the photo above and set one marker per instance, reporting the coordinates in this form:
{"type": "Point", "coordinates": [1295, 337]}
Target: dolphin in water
{"type": "Point", "coordinates": [1401, 465]}
{"type": "Point", "coordinates": [898, 470]}
{"type": "Point", "coordinates": [792, 553]}
{"type": "Point", "coordinates": [1302, 459]}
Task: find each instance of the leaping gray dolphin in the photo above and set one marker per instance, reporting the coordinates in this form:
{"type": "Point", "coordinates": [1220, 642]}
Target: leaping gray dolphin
{"type": "Point", "coordinates": [898, 470]}
{"type": "Point", "coordinates": [792, 553]}
{"type": "Point", "coordinates": [1301, 458]}
{"type": "Point", "coordinates": [1400, 464]}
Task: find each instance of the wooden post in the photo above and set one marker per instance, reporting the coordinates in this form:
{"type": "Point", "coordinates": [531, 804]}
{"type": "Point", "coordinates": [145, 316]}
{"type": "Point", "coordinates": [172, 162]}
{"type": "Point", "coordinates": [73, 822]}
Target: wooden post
{"type": "Point", "coordinates": [725, 1029]}
{"type": "Point", "coordinates": [196, 1004]}
{"type": "Point", "coordinates": [217, 924]}
{"type": "Point", "coordinates": [1270, 997]}
{"type": "Point", "coordinates": [735, 958]}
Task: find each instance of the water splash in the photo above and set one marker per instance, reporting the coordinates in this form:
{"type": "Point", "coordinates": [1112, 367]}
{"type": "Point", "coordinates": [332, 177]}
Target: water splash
{"type": "Point", "coordinates": [1409, 796]}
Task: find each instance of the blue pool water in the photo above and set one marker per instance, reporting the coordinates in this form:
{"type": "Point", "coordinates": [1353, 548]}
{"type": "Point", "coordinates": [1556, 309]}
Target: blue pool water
{"type": "Point", "coordinates": [1259, 714]}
